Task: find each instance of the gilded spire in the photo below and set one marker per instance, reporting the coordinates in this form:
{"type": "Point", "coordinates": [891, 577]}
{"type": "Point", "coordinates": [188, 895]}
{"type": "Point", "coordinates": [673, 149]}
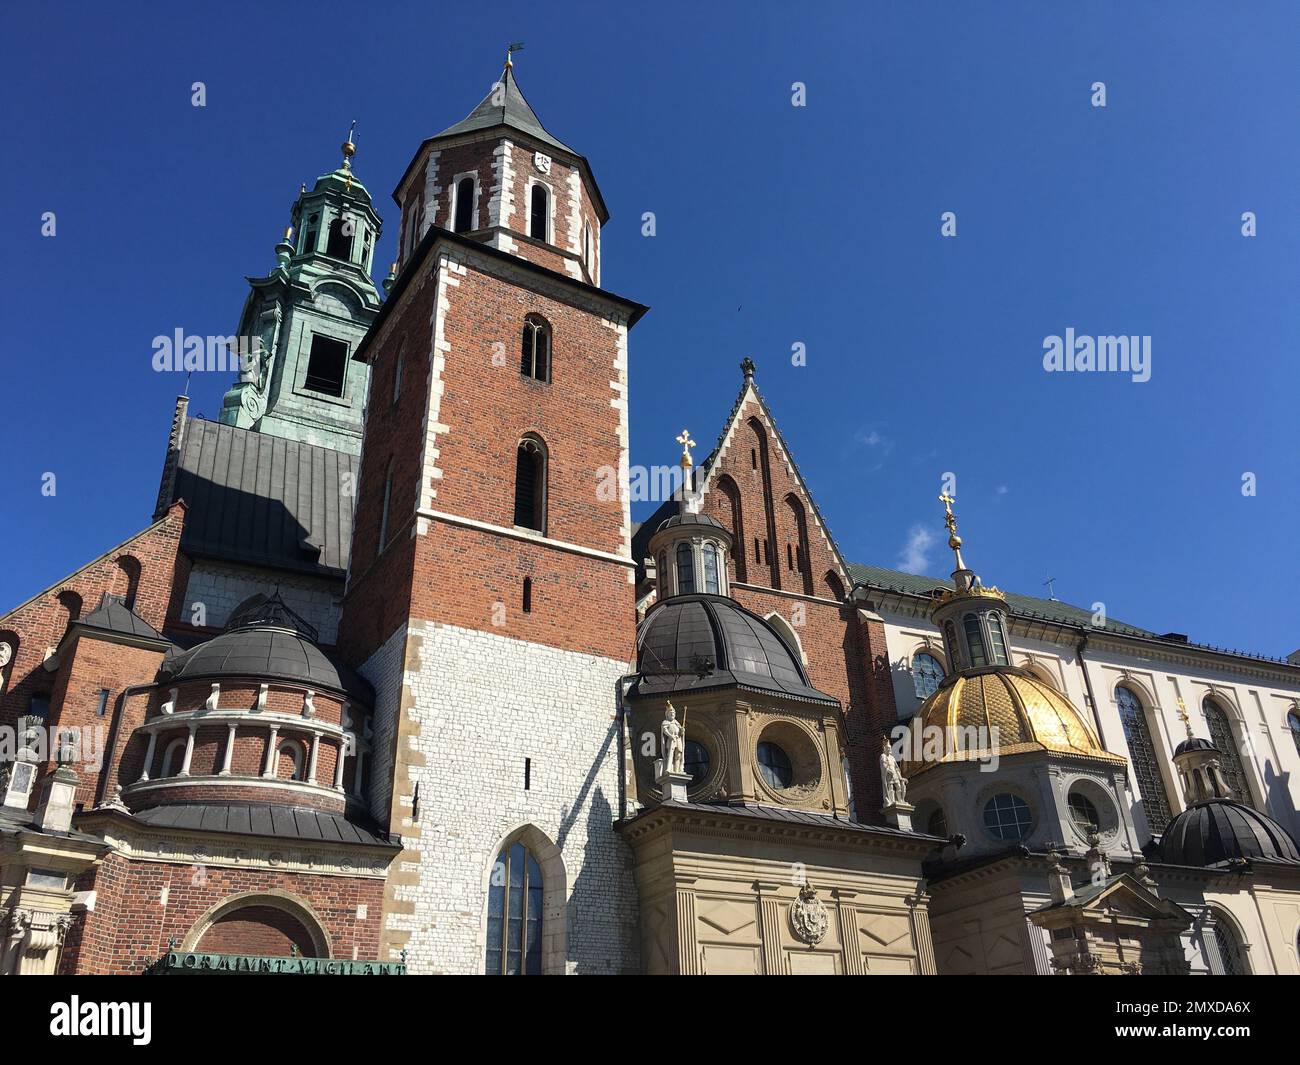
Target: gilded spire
{"type": "Point", "coordinates": [950, 520]}
{"type": "Point", "coordinates": [349, 149]}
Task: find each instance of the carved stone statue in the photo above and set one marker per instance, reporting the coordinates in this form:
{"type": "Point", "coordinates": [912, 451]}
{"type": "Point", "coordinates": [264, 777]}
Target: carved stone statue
{"type": "Point", "coordinates": [672, 742]}
{"type": "Point", "coordinates": [892, 782]}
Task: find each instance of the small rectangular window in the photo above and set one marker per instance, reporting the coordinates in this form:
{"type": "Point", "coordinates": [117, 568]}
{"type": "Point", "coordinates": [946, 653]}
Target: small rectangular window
{"type": "Point", "coordinates": [528, 773]}
{"type": "Point", "coordinates": [102, 708]}
{"type": "Point", "coordinates": [528, 595]}
{"type": "Point", "coordinates": [326, 365]}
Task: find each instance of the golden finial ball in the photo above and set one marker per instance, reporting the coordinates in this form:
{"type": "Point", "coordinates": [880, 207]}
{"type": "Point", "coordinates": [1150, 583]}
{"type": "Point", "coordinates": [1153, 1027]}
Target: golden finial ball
{"type": "Point", "coordinates": [349, 149]}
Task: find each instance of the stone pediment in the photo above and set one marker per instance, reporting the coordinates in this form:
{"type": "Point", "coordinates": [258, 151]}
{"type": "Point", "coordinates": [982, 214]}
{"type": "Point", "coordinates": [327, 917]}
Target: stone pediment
{"type": "Point", "coordinates": [1121, 896]}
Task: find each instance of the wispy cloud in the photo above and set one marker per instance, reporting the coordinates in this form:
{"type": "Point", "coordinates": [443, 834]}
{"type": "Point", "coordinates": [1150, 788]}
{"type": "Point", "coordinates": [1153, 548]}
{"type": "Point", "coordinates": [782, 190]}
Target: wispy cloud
{"type": "Point", "coordinates": [915, 556]}
{"type": "Point", "coordinates": [1003, 489]}
{"type": "Point", "coordinates": [879, 444]}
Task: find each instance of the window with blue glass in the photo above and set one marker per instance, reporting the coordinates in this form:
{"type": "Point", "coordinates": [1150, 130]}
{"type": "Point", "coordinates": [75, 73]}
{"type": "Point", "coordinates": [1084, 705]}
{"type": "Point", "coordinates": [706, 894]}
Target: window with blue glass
{"type": "Point", "coordinates": [514, 931]}
{"type": "Point", "coordinates": [775, 766]}
{"type": "Point", "coordinates": [927, 674]}
{"type": "Point", "coordinates": [711, 569]}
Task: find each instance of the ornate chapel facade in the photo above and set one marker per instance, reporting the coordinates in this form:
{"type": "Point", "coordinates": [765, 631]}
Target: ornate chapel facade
{"type": "Point", "coordinates": [386, 685]}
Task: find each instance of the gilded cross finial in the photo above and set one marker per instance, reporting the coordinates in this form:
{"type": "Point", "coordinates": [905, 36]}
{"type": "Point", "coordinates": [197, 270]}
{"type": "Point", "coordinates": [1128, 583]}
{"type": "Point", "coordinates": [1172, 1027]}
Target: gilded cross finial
{"type": "Point", "coordinates": [950, 520]}
{"type": "Point", "coordinates": [1182, 715]}
{"type": "Point", "coordinates": [687, 443]}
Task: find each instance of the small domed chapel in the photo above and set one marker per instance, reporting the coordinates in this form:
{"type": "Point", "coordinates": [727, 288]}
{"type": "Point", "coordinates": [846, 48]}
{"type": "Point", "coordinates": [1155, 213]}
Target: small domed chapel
{"type": "Point", "coordinates": [386, 685]}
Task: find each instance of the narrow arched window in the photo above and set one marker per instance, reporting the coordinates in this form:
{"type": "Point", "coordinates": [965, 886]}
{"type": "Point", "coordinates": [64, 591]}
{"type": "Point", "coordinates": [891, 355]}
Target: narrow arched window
{"type": "Point", "coordinates": [998, 640]}
{"type": "Point", "coordinates": [310, 233]}
{"type": "Point", "coordinates": [927, 674]}
{"type": "Point", "coordinates": [711, 569]}
{"type": "Point", "coordinates": [530, 484]}
{"type": "Point", "coordinates": [383, 514]}
{"type": "Point", "coordinates": [1216, 721]}
{"type": "Point", "coordinates": [1142, 757]}
{"type": "Point", "coordinates": [514, 925]}
{"type": "Point", "coordinates": [397, 375]}
{"type": "Point", "coordinates": [464, 220]}
{"type": "Point", "coordinates": [539, 207]}
{"type": "Point", "coordinates": [535, 361]}
{"type": "Point", "coordinates": [974, 640]}
{"type": "Point", "coordinates": [1292, 722]}
{"type": "Point", "coordinates": [685, 569]}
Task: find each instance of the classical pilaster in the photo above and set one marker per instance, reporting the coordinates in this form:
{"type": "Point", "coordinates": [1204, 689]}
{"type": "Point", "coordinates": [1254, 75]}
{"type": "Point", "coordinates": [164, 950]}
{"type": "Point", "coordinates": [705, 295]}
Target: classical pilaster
{"type": "Point", "coordinates": [918, 907]}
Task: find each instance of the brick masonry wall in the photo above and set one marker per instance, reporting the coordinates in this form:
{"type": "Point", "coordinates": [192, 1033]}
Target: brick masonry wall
{"type": "Point", "coordinates": [38, 625]}
{"type": "Point", "coordinates": [845, 655]}
{"type": "Point", "coordinates": [141, 906]}
{"type": "Point", "coordinates": [91, 665]}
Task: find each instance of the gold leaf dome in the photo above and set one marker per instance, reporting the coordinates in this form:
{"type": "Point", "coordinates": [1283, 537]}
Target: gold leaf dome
{"type": "Point", "coordinates": [1028, 714]}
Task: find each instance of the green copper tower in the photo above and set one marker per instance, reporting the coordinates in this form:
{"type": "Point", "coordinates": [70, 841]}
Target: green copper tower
{"type": "Point", "coordinates": [302, 322]}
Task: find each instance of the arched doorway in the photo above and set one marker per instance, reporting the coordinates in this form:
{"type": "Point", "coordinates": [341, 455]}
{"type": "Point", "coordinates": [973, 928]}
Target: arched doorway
{"type": "Point", "coordinates": [270, 925]}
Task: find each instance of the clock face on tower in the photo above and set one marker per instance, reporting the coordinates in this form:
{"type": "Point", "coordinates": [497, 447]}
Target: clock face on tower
{"type": "Point", "coordinates": [542, 162]}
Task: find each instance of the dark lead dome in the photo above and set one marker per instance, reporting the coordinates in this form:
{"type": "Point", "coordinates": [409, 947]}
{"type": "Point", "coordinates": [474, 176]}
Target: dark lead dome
{"type": "Point", "coordinates": [690, 519]}
{"type": "Point", "coordinates": [1221, 831]}
{"type": "Point", "coordinates": [695, 642]}
{"type": "Point", "coordinates": [1195, 743]}
{"type": "Point", "coordinates": [263, 652]}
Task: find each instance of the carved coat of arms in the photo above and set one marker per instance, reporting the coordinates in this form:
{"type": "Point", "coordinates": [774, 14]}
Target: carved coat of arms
{"type": "Point", "coordinates": [542, 162]}
{"type": "Point", "coordinates": [808, 916]}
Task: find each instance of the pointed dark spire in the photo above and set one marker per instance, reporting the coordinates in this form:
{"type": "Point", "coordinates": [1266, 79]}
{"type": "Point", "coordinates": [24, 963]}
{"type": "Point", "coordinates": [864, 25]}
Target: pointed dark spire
{"type": "Point", "coordinates": [504, 105]}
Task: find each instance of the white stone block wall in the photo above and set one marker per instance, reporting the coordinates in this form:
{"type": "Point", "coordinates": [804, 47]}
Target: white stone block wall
{"type": "Point", "coordinates": [222, 587]}
{"type": "Point", "coordinates": [478, 704]}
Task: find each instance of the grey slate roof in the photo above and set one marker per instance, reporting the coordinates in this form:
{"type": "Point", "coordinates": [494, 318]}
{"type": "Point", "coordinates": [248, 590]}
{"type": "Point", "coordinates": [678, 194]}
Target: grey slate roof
{"type": "Point", "coordinates": [689, 635]}
{"type": "Point", "coordinates": [258, 819]}
{"type": "Point", "coordinates": [264, 501]}
{"type": "Point", "coordinates": [1021, 605]}
{"type": "Point", "coordinates": [513, 111]}
{"type": "Point", "coordinates": [112, 615]}
{"type": "Point", "coordinates": [267, 653]}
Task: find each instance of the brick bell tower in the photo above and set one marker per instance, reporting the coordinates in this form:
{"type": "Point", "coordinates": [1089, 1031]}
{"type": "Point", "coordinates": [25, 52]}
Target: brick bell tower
{"type": "Point", "coordinates": [490, 595]}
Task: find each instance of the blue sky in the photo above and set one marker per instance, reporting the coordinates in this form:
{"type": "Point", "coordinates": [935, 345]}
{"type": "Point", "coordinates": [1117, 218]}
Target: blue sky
{"type": "Point", "coordinates": [776, 225]}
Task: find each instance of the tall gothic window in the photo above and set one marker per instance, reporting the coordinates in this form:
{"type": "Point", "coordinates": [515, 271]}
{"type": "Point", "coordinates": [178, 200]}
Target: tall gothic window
{"type": "Point", "coordinates": [539, 205]}
{"type": "Point", "coordinates": [1142, 756]}
{"type": "Point", "coordinates": [1231, 962]}
{"type": "Point", "coordinates": [530, 484]}
{"type": "Point", "coordinates": [685, 569]}
{"type": "Point", "coordinates": [974, 640]}
{"type": "Point", "coordinates": [514, 931]}
{"type": "Point", "coordinates": [927, 674]}
{"type": "Point", "coordinates": [1216, 721]}
{"type": "Point", "coordinates": [464, 220]}
{"type": "Point", "coordinates": [535, 361]}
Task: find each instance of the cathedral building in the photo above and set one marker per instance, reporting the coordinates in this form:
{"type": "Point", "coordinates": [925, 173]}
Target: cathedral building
{"type": "Point", "coordinates": [386, 685]}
